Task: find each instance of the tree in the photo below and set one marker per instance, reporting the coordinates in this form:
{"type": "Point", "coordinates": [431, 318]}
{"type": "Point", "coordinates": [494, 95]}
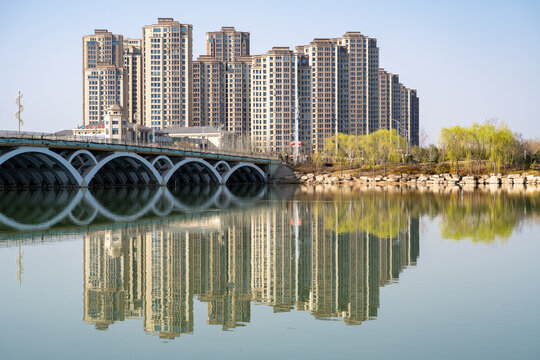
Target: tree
{"type": "Point", "coordinates": [317, 160]}
{"type": "Point", "coordinates": [453, 141]}
{"type": "Point", "coordinates": [504, 146]}
{"type": "Point", "coordinates": [388, 146]}
{"type": "Point", "coordinates": [482, 142]}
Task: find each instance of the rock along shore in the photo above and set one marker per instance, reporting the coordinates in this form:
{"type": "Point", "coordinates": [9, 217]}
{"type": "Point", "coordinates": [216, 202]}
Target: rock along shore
{"type": "Point", "coordinates": [440, 180]}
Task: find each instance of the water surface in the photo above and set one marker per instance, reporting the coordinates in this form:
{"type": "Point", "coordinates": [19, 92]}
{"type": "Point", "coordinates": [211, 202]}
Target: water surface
{"type": "Point", "coordinates": [285, 272]}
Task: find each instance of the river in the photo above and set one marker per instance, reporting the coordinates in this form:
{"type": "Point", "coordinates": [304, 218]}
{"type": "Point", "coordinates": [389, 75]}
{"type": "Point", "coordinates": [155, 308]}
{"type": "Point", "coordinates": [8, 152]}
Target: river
{"type": "Point", "coordinates": [269, 272]}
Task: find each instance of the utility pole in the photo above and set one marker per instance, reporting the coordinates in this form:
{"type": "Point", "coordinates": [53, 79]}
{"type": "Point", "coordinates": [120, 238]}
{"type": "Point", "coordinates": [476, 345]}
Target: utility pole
{"type": "Point", "coordinates": [21, 108]}
{"type": "Point", "coordinates": [336, 108]}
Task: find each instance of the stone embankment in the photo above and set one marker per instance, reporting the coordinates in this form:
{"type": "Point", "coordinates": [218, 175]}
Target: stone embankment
{"type": "Point", "coordinates": [417, 180]}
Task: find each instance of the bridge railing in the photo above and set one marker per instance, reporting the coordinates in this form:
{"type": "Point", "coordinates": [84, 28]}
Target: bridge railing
{"type": "Point", "coordinates": [176, 145]}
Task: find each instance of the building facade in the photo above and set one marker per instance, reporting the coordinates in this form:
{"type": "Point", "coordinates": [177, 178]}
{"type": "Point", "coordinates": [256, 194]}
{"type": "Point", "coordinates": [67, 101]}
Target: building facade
{"type": "Point", "coordinates": [133, 68]}
{"type": "Point", "coordinates": [277, 98]}
{"type": "Point", "coordinates": [227, 44]}
{"type": "Point", "coordinates": [344, 87]}
{"type": "Point", "coordinates": [330, 86]}
{"type": "Point", "coordinates": [398, 107]}
{"type": "Point", "coordinates": [221, 82]}
{"type": "Point", "coordinates": [209, 87]}
{"type": "Point", "coordinates": [167, 69]}
{"type": "Point", "coordinates": [412, 117]}
{"type": "Point", "coordinates": [104, 76]}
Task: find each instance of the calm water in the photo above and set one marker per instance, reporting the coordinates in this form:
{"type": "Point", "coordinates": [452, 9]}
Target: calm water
{"type": "Point", "coordinates": [255, 272]}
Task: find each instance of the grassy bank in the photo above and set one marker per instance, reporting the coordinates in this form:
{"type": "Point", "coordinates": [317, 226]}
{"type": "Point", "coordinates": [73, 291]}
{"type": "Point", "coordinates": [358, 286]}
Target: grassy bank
{"type": "Point", "coordinates": [466, 168]}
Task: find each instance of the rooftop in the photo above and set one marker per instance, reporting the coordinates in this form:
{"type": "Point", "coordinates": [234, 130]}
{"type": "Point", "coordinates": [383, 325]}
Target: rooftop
{"type": "Point", "coordinates": [191, 130]}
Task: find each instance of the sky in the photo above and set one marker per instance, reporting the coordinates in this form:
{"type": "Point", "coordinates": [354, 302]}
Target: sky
{"type": "Point", "coordinates": [470, 61]}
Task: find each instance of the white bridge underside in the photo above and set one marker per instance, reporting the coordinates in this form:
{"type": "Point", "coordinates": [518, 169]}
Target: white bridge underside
{"type": "Point", "coordinates": [39, 166]}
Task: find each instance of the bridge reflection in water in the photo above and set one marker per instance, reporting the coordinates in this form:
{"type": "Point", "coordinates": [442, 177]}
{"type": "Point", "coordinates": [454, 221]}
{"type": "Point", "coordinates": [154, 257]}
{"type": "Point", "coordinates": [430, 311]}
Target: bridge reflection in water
{"type": "Point", "coordinates": [64, 210]}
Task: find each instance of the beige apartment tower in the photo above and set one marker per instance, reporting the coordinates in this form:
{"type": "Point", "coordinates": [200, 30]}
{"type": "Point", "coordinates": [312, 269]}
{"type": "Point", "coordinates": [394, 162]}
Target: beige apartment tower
{"type": "Point", "coordinates": [227, 44]}
{"type": "Point", "coordinates": [274, 97]}
{"type": "Point", "coordinates": [167, 69]}
{"type": "Point", "coordinates": [344, 74]}
{"type": "Point", "coordinates": [360, 74]}
{"type": "Point", "coordinates": [104, 76]}
{"type": "Point", "coordinates": [391, 93]}
{"type": "Point", "coordinates": [209, 87]}
{"type": "Point", "coordinates": [221, 82]}
{"type": "Point", "coordinates": [398, 107]}
{"type": "Point", "coordinates": [133, 68]}
{"type": "Point", "coordinates": [324, 56]}
{"type": "Point", "coordinates": [270, 101]}
{"type": "Point", "coordinates": [411, 117]}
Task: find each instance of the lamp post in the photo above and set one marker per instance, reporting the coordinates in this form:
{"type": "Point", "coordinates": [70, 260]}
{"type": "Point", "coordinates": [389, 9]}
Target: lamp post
{"type": "Point", "coordinates": [398, 127]}
{"type": "Point", "coordinates": [398, 130]}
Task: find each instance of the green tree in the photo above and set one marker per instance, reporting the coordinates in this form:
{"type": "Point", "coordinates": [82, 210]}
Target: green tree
{"type": "Point", "coordinates": [453, 140]}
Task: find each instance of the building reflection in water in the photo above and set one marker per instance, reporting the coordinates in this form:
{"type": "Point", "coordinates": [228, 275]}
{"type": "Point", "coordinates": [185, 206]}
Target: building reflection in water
{"type": "Point", "coordinates": [289, 255]}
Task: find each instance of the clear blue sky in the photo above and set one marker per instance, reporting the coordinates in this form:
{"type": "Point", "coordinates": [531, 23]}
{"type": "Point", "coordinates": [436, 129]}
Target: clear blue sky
{"type": "Point", "coordinates": [469, 60]}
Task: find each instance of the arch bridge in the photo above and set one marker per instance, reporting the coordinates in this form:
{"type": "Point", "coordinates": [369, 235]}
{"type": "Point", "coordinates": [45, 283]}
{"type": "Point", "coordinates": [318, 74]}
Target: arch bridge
{"type": "Point", "coordinates": [56, 163]}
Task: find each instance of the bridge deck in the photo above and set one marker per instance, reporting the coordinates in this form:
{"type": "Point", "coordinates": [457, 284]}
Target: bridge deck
{"type": "Point", "coordinates": [140, 149]}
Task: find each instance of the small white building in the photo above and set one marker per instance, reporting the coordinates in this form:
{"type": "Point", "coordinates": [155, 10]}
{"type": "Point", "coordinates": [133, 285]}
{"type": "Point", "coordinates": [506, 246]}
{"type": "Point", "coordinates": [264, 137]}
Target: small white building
{"type": "Point", "coordinates": [206, 135]}
{"type": "Point", "coordinates": [115, 128]}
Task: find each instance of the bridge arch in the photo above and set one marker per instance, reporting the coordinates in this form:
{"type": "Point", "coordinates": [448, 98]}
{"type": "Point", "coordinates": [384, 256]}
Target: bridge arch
{"type": "Point", "coordinates": [162, 159]}
{"type": "Point", "coordinates": [38, 156]}
{"type": "Point", "coordinates": [81, 152]}
{"type": "Point", "coordinates": [222, 164]}
{"type": "Point", "coordinates": [244, 173]}
{"type": "Point", "coordinates": [81, 160]}
{"type": "Point", "coordinates": [136, 160]}
{"type": "Point", "coordinates": [187, 161]}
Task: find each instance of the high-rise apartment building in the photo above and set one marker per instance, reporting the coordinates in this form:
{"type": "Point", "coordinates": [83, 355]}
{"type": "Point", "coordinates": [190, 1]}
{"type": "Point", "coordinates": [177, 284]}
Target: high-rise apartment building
{"type": "Point", "coordinates": [133, 68]}
{"type": "Point", "coordinates": [104, 78]}
{"type": "Point", "coordinates": [360, 74]}
{"type": "Point", "coordinates": [209, 87]}
{"type": "Point", "coordinates": [411, 120]}
{"type": "Point", "coordinates": [238, 95]}
{"type": "Point", "coordinates": [390, 101]}
{"type": "Point", "coordinates": [167, 69]}
{"type": "Point", "coordinates": [338, 83]}
{"type": "Point", "coordinates": [227, 44]}
{"type": "Point", "coordinates": [274, 99]}
{"type": "Point", "coordinates": [398, 107]}
{"type": "Point", "coordinates": [325, 91]}
{"type": "Point", "coordinates": [344, 92]}
{"type": "Point", "coordinates": [221, 83]}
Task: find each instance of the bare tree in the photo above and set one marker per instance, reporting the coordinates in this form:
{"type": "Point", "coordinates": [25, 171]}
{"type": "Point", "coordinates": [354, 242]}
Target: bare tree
{"type": "Point", "coordinates": [423, 138]}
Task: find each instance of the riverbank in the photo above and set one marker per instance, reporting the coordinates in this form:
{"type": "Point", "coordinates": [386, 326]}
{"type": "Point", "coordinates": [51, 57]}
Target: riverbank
{"type": "Point", "coordinates": [414, 180]}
